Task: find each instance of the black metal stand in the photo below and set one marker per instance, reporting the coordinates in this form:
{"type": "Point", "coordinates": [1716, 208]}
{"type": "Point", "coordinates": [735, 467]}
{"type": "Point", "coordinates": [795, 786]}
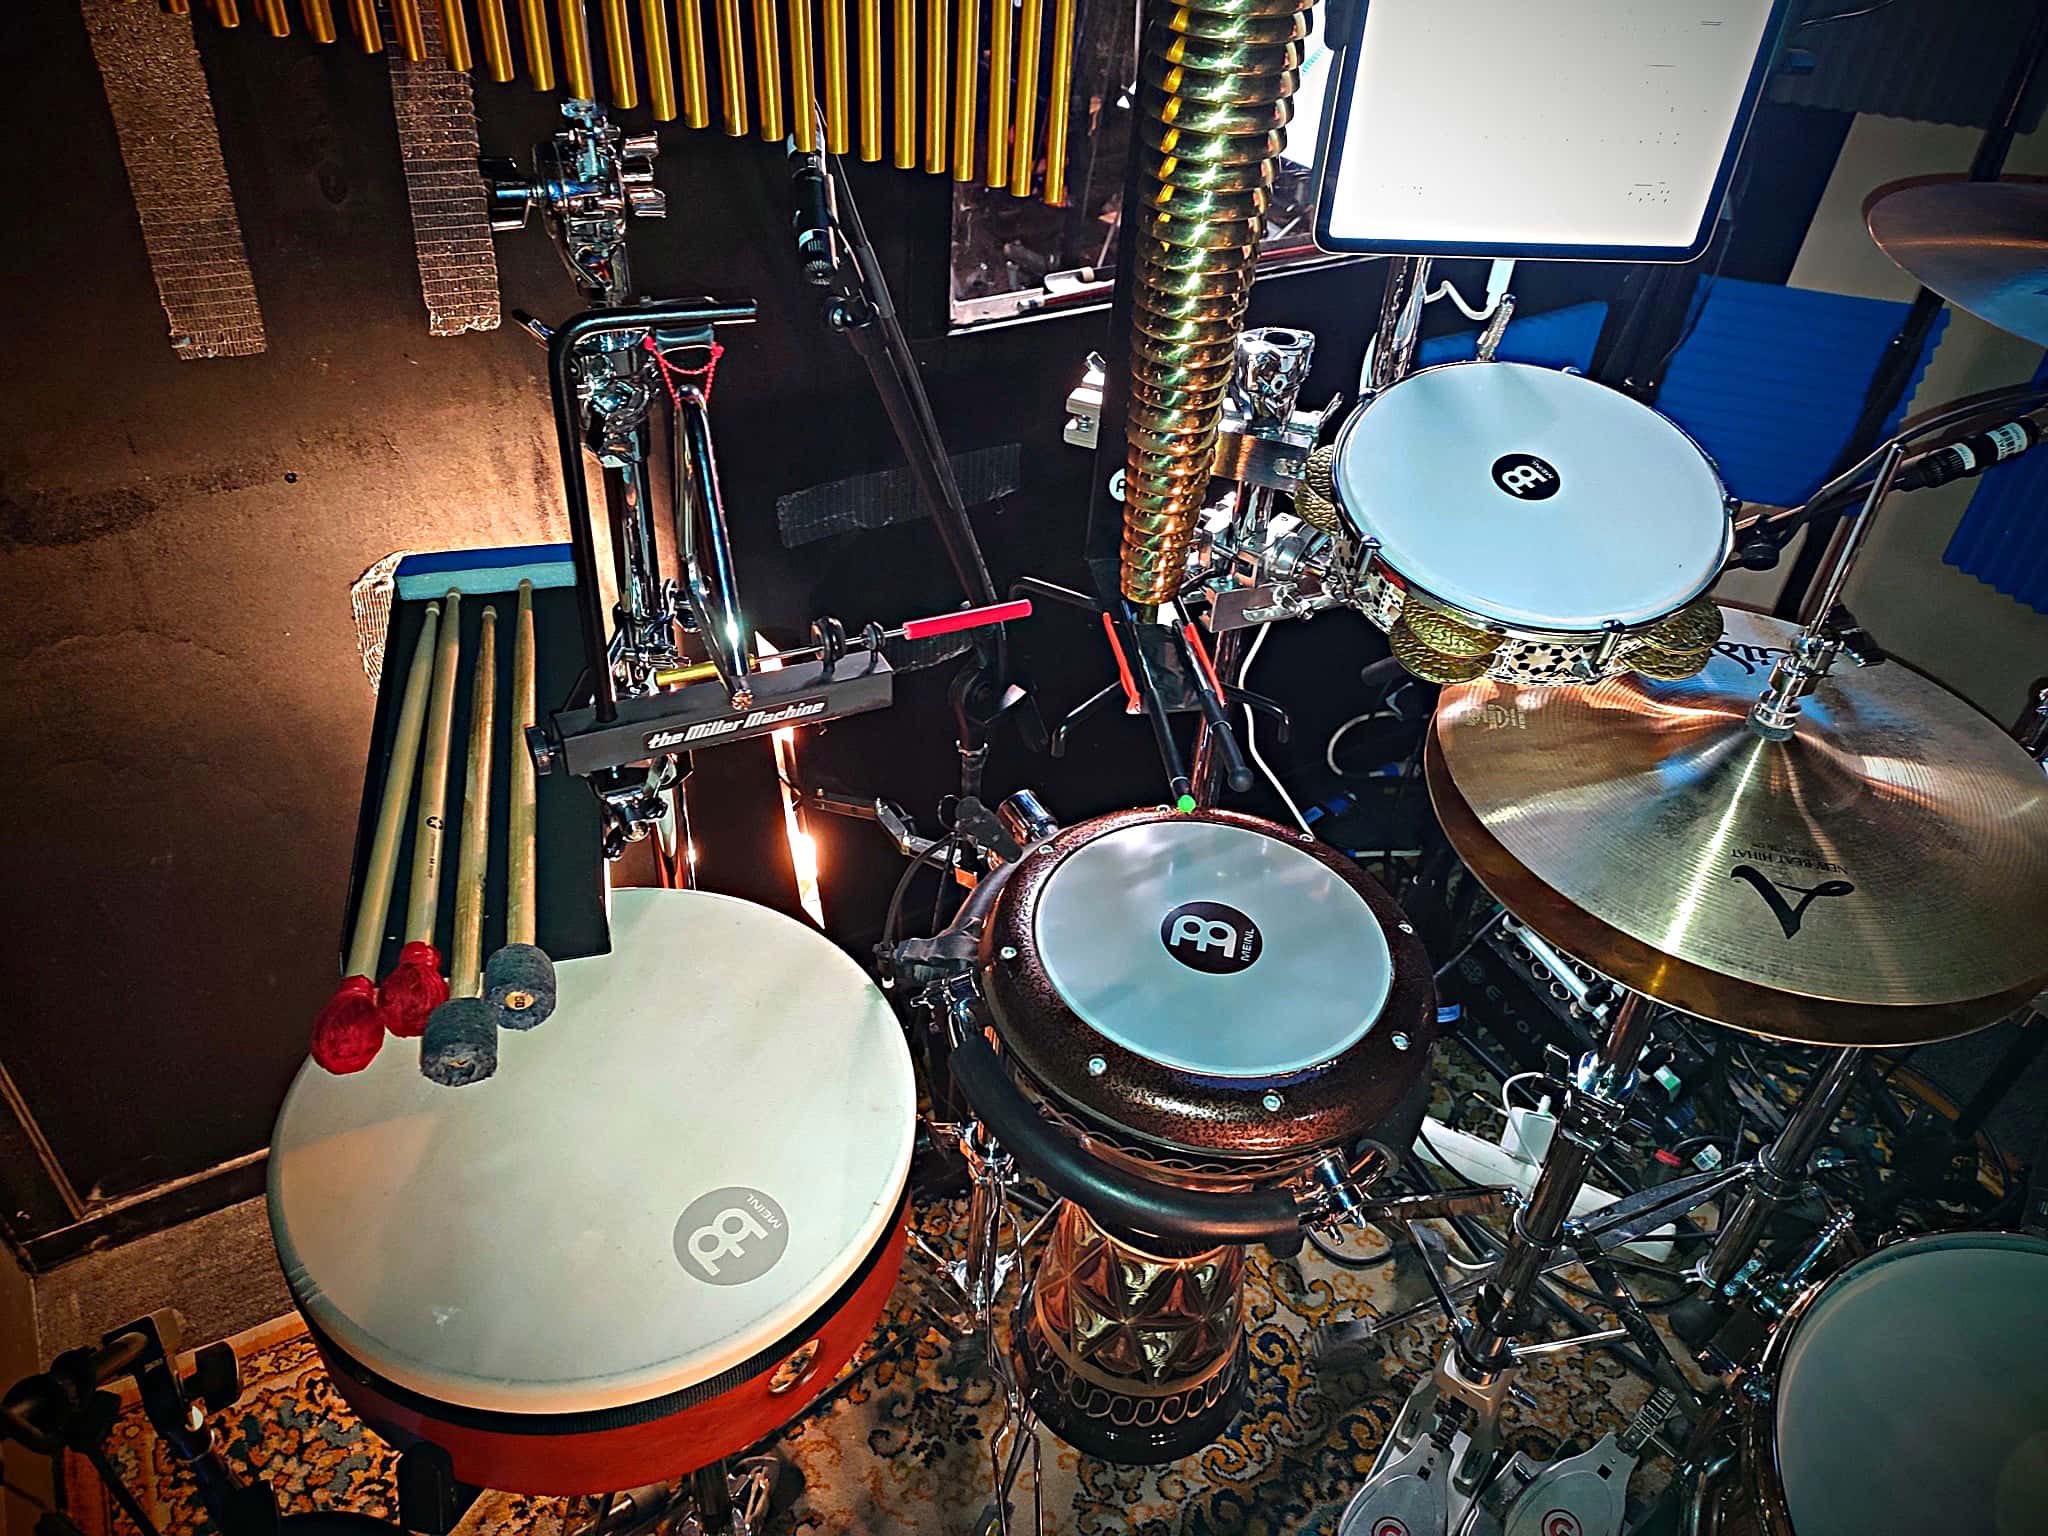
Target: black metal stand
{"type": "Point", "coordinates": [839, 258]}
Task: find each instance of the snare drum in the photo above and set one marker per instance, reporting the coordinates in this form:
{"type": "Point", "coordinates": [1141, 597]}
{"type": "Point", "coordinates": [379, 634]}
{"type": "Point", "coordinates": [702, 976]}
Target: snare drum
{"type": "Point", "coordinates": [1207, 1001]}
{"type": "Point", "coordinates": [1530, 525]}
{"type": "Point", "coordinates": [651, 1239]}
{"type": "Point", "coordinates": [1908, 1393]}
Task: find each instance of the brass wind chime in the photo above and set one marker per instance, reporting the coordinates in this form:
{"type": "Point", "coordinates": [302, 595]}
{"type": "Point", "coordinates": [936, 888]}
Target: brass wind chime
{"type": "Point", "coordinates": [678, 72]}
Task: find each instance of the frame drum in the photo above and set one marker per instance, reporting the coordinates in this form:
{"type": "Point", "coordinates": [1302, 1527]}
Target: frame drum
{"type": "Point", "coordinates": [649, 1240]}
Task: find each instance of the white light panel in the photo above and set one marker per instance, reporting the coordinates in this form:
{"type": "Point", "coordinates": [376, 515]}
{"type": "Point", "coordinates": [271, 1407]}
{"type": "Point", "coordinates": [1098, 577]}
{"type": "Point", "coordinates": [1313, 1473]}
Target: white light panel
{"type": "Point", "coordinates": [1588, 129]}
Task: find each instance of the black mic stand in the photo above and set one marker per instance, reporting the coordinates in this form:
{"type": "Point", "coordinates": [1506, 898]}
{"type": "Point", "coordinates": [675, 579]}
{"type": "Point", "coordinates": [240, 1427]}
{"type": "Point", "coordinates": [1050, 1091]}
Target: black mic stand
{"type": "Point", "coordinates": [838, 257]}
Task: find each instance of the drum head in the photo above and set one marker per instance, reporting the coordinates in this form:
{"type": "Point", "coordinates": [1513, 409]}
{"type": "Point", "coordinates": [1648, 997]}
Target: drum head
{"type": "Point", "coordinates": [1213, 948]}
{"type": "Point", "coordinates": [1913, 1394]}
{"type": "Point", "coordinates": [1533, 498]}
{"type": "Point", "coordinates": [683, 1164]}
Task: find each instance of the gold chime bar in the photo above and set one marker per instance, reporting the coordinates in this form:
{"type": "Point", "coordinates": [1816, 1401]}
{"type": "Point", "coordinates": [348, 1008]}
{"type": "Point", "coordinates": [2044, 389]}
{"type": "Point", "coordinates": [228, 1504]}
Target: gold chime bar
{"type": "Point", "coordinates": [803, 102]}
{"type": "Point", "coordinates": [696, 84]}
{"type": "Point", "coordinates": [732, 72]}
{"type": "Point", "coordinates": [497, 38]}
{"type": "Point", "coordinates": [661, 77]}
{"type": "Point", "coordinates": [937, 63]}
{"type": "Point", "coordinates": [275, 22]}
{"type": "Point", "coordinates": [362, 18]}
{"type": "Point", "coordinates": [618, 54]}
{"type": "Point", "coordinates": [836, 121]}
{"type": "Point", "coordinates": [540, 49]}
{"type": "Point", "coordinates": [412, 37]}
{"type": "Point", "coordinates": [1058, 102]}
{"type": "Point", "coordinates": [455, 36]}
{"type": "Point", "coordinates": [905, 16]}
{"type": "Point", "coordinates": [226, 13]}
{"type": "Point", "coordinates": [1023, 156]}
{"type": "Point", "coordinates": [576, 76]}
{"type": "Point", "coordinates": [870, 79]}
{"type": "Point", "coordinates": [178, 7]}
{"type": "Point", "coordinates": [768, 70]}
{"type": "Point", "coordinates": [1000, 65]}
{"type": "Point", "coordinates": [319, 15]}
{"type": "Point", "coordinates": [966, 69]}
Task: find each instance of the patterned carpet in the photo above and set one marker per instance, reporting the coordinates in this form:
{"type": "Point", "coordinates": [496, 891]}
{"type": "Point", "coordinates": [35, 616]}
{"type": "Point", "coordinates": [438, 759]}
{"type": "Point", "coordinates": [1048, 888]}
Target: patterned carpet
{"type": "Point", "coordinates": [900, 1444]}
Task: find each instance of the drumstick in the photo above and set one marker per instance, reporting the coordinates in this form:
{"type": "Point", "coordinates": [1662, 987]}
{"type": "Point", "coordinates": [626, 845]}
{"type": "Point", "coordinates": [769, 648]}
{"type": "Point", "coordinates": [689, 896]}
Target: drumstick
{"type": "Point", "coordinates": [351, 1027]}
{"type": "Point", "coordinates": [414, 989]}
{"type": "Point", "coordinates": [519, 981]}
{"type": "Point", "coordinates": [460, 1045]}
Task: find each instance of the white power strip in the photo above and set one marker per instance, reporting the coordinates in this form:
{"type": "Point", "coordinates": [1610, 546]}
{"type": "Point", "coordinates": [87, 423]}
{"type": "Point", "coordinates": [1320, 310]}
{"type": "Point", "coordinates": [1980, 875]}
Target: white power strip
{"type": "Point", "coordinates": [1480, 1161]}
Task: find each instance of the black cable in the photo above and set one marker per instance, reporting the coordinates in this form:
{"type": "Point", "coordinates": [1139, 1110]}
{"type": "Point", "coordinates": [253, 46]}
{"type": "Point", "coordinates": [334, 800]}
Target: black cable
{"type": "Point", "coordinates": [1470, 944]}
{"type": "Point", "coordinates": [892, 924]}
{"type": "Point", "coordinates": [1345, 1260]}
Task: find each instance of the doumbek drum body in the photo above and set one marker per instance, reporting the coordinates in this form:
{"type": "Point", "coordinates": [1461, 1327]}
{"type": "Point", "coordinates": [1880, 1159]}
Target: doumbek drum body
{"type": "Point", "coordinates": [1207, 1001]}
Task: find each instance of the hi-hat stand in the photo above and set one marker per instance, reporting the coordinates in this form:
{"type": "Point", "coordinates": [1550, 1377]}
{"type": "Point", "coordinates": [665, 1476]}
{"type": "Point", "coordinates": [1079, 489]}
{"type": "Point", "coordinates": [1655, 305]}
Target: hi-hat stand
{"type": "Point", "coordinates": [1441, 1456]}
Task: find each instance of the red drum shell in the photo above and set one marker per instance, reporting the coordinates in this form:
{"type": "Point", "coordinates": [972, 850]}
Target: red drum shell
{"type": "Point", "coordinates": [616, 1448]}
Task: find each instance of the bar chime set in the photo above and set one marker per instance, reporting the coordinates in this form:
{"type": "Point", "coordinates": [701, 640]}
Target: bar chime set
{"type": "Point", "coordinates": [952, 134]}
{"type": "Point", "coordinates": [455, 1019]}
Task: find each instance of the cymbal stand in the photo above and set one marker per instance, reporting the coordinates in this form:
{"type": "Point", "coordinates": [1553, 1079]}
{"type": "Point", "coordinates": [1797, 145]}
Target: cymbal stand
{"type": "Point", "coordinates": [1441, 1451]}
{"type": "Point", "coordinates": [1779, 1177]}
{"type": "Point", "coordinates": [1818, 645]}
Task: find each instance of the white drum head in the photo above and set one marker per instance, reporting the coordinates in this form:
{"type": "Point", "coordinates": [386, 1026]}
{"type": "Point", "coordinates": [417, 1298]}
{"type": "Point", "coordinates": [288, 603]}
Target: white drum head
{"type": "Point", "coordinates": [1914, 1393]}
{"type": "Point", "coordinates": [525, 1244]}
{"type": "Point", "coordinates": [1213, 948]}
{"type": "Point", "coordinates": [1533, 498]}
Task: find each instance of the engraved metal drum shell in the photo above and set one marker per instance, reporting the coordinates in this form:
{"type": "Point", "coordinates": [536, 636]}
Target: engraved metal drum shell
{"type": "Point", "coordinates": [1187, 1114]}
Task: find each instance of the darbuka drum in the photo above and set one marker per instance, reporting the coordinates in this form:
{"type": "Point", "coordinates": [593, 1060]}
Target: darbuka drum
{"type": "Point", "coordinates": [1532, 526]}
{"type": "Point", "coordinates": [1205, 1001]}
{"type": "Point", "coordinates": [1907, 1393]}
{"type": "Point", "coordinates": [648, 1241]}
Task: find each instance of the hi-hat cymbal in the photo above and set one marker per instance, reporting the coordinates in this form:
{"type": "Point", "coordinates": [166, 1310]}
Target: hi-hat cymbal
{"type": "Point", "coordinates": [1881, 878]}
{"type": "Point", "coordinates": [1982, 245]}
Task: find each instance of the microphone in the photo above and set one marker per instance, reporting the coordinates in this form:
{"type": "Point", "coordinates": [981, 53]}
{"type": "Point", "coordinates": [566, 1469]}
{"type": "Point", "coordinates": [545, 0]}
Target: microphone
{"type": "Point", "coordinates": [1972, 455]}
{"type": "Point", "coordinates": [810, 190]}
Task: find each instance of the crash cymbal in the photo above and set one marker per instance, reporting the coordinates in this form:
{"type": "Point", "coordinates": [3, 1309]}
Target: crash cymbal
{"type": "Point", "coordinates": [1982, 245]}
{"type": "Point", "coordinates": [1881, 878]}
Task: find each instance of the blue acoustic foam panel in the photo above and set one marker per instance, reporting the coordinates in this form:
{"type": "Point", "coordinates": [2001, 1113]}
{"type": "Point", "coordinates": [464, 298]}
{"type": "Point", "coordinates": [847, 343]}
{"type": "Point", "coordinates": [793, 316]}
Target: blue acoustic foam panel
{"type": "Point", "coordinates": [1770, 381]}
{"type": "Point", "coordinates": [1557, 338]}
{"type": "Point", "coordinates": [2003, 537]}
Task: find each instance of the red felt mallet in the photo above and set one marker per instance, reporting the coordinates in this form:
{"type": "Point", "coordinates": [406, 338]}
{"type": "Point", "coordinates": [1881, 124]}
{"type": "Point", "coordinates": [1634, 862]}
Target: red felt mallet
{"type": "Point", "coordinates": [351, 1027]}
{"type": "Point", "coordinates": [414, 989]}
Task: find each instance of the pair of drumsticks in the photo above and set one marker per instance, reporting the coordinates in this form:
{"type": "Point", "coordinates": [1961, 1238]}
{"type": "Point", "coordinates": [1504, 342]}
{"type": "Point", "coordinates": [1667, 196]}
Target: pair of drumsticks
{"type": "Point", "coordinates": [457, 1018]}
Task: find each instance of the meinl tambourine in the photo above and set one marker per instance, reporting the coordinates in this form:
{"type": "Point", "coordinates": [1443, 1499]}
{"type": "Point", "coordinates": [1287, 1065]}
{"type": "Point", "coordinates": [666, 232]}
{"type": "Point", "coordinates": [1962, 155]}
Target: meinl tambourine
{"type": "Point", "coordinates": [1532, 526]}
{"type": "Point", "coordinates": [1197, 1017]}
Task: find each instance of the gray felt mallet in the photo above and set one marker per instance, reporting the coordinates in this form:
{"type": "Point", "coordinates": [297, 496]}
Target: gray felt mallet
{"type": "Point", "coordinates": [519, 980]}
{"type": "Point", "coordinates": [460, 1045]}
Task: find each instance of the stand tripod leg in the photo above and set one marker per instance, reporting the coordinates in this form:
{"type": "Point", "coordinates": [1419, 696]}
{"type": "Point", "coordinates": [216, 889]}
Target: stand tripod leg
{"type": "Point", "coordinates": [1780, 1170]}
{"type": "Point", "coordinates": [1431, 1469]}
{"type": "Point", "coordinates": [1597, 1096]}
